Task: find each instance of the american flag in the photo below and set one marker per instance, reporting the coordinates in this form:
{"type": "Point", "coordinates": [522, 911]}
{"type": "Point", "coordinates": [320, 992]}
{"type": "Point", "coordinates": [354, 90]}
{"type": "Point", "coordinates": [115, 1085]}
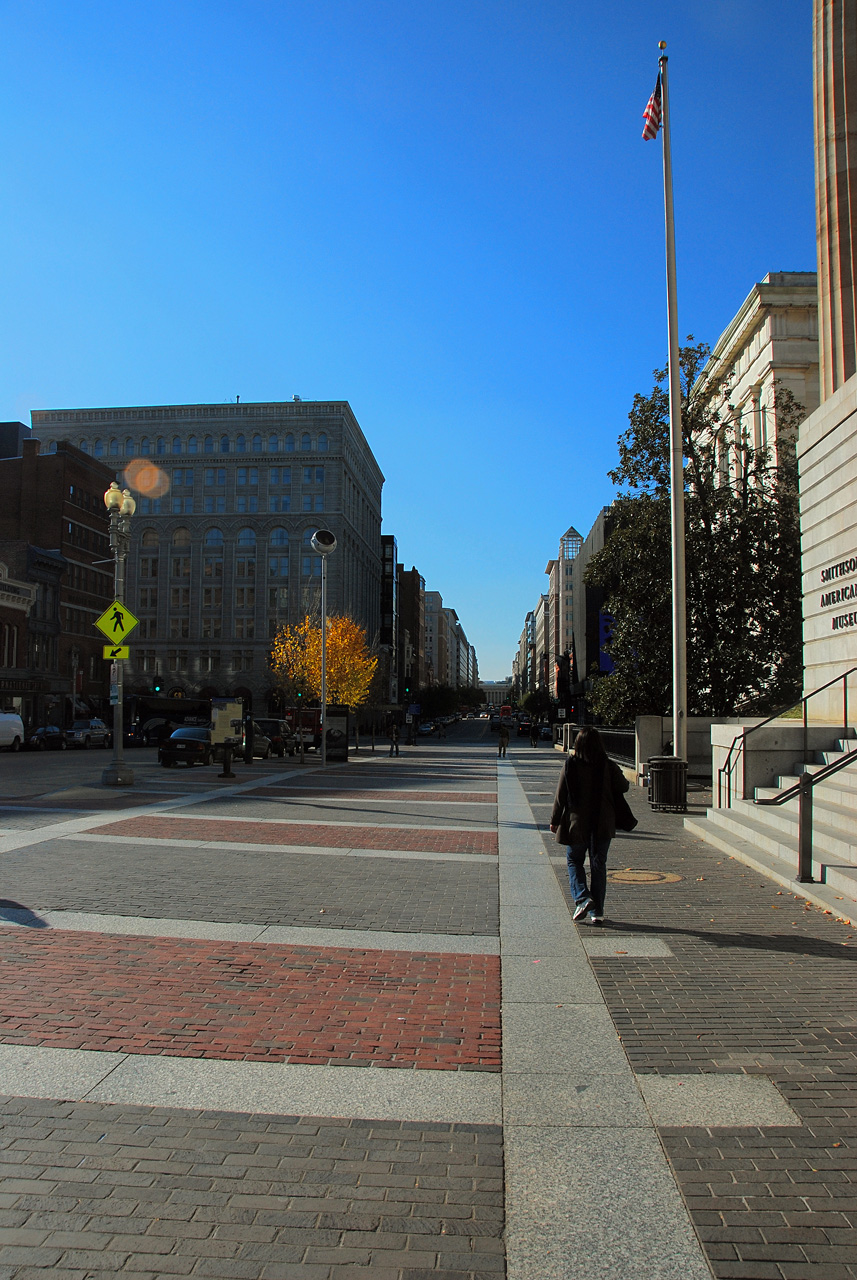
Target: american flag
{"type": "Point", "coordinates": [652, 113]}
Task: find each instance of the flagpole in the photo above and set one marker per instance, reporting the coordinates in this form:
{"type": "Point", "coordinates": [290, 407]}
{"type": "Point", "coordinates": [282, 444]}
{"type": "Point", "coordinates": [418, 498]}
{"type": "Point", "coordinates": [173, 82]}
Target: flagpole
{"type": "Point", "coordinates": [679, 601]}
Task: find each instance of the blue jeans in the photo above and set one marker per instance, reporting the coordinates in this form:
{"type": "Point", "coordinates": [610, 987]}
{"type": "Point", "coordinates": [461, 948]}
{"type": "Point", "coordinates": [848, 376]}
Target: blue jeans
{"type": "Point", "coordinates": [596, 847]}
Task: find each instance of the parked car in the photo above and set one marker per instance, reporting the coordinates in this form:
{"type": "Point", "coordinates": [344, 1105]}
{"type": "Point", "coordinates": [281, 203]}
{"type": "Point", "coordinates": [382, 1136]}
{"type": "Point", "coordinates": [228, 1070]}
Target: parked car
{"type": "Point", "coordinates": [523, 728]}
{"type": "Point", "coordinates": [546, 732]}
{"type": "Point", "coordinates": [262, 746]}
{"type": "Point", "coordinates": [425, 727]}
{"type": "Point", "coordinates": [11, 731]}
{"type": "Point", "coordinates": [46, 738]}
{"type": "Point", "coordinates": [190, 746]}
{"type": "Point", "coordinates": [283, 741]}
{"type": "Point", "coordinates": [88, 733]}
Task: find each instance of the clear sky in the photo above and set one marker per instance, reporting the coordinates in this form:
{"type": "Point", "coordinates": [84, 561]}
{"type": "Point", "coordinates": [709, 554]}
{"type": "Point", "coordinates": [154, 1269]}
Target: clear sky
{"type": "Point", "coordinates": [442, 212]}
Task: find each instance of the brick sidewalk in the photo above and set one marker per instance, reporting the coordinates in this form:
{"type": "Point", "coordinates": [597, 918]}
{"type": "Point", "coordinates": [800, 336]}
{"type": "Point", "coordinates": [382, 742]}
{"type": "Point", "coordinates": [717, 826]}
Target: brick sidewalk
{"type": "Point", "coordinates": [758, 983]}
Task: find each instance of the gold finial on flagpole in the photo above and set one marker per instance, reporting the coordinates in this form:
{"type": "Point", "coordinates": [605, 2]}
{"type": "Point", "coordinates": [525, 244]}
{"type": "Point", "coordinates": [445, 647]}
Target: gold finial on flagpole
{"type": "Point", "coordinates": [662, 44]}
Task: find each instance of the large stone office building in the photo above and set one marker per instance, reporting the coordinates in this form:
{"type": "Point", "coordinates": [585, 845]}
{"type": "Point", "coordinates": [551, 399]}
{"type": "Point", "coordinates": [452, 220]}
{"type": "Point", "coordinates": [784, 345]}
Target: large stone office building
{"type": "Point", "coordinates": [228, 498]}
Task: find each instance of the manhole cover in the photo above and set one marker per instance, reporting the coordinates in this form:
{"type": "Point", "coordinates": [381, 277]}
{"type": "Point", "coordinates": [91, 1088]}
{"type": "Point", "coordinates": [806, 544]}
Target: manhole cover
{"type": "Point", "coordinates": [629, 876]}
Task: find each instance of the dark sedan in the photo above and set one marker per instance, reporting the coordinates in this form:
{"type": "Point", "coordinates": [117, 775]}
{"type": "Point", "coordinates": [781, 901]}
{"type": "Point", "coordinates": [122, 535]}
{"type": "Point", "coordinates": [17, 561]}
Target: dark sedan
{"type": "Point", "coordinates": [47, 738]}
{"type": "Point", "coordinates": [190, 746]}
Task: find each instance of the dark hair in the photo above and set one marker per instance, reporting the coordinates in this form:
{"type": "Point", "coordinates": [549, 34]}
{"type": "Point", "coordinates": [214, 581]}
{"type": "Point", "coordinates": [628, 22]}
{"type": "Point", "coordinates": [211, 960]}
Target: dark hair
{"type": "Point", "coordinates": [588, 746]}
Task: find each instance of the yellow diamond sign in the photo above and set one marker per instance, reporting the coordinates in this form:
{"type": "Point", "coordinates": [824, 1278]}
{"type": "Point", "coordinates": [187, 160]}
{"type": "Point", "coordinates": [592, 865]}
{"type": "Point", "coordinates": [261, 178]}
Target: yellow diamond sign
{"type": "Point", "coordinates": [116, 622]}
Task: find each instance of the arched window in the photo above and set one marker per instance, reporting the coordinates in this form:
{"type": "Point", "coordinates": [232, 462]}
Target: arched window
{"type": "Point", "coordinates": [273, 444]}
{"type": "Point", "coordinates": [322, 443]}
{"type": "Point", "coordinates": [224, 444]}
{"type": "Point", "coordinates": [241, 444]}
{"type": "Point", "coordinates": [306, 443]}
{"type": "Point", "coordinates": [52, 447]}
{"type": "Point", "coordinates": [129, 448]}
{"type": "Point", "coordinates": [177, 445]}
{"type": "Point", "coordinates": [214, 537]}
{"type": "Point", "coordinates": [84, 446]}
{"type": "Point", "coordinates": [145, 447]}
{"type": "Point", "coordinates": [191, 444]}
{"type": "Point", "coordinates": [246, 538]}
{"type": "Point", "coordinates": [209, 444]}
{"type": "Point", "coordinates": [181, 537]}
{"type": "Point", "coordinates": [114, 448]}
{"type": "Point", "coordinates": [257, 444]}
{"type": "Point", "coordinates": [290, 444]}
{"type": "Point", "coordinates": [279, 537]}
{"type": "Point", "coordinates": [308, 534]}
{"type": "Point", "coordinates": [149, 538]}
{"type": "Point", "coordinates": [160, 445]}
{"type": "Point", "coordinates": [98, 449]}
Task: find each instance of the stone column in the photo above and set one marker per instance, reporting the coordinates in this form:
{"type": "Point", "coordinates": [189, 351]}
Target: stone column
{"type": "Point", "coordinates": [835, 47]}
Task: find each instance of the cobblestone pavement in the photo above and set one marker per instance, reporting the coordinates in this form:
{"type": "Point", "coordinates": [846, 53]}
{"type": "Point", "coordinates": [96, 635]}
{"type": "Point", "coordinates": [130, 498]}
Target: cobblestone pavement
{"type": "Point", "coordinates": [758, 982]}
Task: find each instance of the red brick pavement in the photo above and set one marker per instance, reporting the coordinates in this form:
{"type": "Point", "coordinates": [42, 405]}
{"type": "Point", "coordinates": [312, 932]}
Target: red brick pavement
{"type": "Point", "coordinates": [253, 1002]}
{"type": "Point", "coordinates": [357, 793]}
{"type": "Point", "coordinates": [347, 836]}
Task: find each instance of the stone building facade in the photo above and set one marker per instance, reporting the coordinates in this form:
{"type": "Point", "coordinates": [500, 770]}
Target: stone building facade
{"type": "Point", "coordinates": [228, 498]}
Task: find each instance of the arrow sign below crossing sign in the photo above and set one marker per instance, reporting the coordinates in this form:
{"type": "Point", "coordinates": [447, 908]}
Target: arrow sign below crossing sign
{"type": "Point", "coordinates": [116, 652]}
{"type": "Point", "coordinates": [116, 622]}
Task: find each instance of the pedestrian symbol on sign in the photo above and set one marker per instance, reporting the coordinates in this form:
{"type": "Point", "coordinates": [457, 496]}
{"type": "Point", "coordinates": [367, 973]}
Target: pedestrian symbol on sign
{"type": "Point", "coordinates": [117, 620]}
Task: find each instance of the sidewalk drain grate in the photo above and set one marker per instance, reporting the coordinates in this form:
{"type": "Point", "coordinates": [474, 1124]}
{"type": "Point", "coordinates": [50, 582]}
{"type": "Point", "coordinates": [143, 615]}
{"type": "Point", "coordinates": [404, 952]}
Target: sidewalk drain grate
{"type": "Point", "coordinates": [630, 876]}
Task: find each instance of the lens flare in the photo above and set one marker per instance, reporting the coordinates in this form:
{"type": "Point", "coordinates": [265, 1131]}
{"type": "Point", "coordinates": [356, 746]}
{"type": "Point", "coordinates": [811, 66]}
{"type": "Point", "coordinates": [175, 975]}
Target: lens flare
{"type": "Point", "coordinates": [147, 478]}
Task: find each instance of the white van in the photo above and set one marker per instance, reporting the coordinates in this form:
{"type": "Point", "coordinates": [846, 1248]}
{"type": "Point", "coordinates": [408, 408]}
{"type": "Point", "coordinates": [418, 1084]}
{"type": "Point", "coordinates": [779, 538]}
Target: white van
{"type": "Point", "coordinates": [11, 731]}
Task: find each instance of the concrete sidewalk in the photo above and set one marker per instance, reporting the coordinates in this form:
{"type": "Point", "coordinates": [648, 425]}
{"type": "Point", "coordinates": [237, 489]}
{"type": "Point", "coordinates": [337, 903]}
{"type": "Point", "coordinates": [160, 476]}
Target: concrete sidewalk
{"type": "Point", "coordinates": [257, 1030]}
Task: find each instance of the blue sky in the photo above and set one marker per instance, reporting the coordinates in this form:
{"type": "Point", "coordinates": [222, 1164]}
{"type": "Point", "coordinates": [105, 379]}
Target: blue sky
{"type": "Point", "coordinates": [441, 212]}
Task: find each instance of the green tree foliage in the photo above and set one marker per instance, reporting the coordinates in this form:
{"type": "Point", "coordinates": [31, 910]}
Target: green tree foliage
{"type": "Point", "coordinates": [742, 552]}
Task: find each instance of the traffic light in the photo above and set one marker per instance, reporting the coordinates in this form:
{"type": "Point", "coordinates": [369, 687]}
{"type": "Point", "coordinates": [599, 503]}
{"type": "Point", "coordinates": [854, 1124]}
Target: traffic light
{"type": "Point", "coordinates": [156, 688]}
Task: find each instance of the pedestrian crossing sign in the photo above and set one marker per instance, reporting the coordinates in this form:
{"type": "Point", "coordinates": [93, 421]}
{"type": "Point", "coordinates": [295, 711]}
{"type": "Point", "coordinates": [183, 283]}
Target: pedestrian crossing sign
{"type": "Point", "coordinates": [116, 622]}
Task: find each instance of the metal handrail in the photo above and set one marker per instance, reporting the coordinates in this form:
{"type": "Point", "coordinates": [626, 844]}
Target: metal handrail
{"type": "Point", "coordinates": [803, 788]}
{"type": "Point", "coordinates": [728, 765]}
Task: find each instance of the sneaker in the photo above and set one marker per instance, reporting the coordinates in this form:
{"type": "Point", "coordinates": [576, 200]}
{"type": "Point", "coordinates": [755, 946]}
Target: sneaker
{"type": "Point", "coordinates": [592, 918]}
{"type": "Point", "coordinates": [582, 909]}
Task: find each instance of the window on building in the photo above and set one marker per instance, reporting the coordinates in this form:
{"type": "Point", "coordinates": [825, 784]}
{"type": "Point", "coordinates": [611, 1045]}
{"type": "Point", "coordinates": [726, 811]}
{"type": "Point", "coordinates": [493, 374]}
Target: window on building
{"type": "Point", "coordinates": [306, 443]}
{"type": "Point", "coordinates": [148, 597]}
{"type": "Point", "coordinates": [114, 448]}
{"type": "Point", "coordinates": [180, 566]}
{"type": "Point", "coordinates": [279, 475]}
{"type": "Point", "coordinates": [290, 444]}
{"type": "Point", "coordinates": [209, 444]}
{"type": "Point", "coordinates": [247, 475]}
{"type": "Point", "coordinates": [160, 446]}
{"type": "Point", "coordinates": [310, 566]}
{"type": "Point", "coordinates": [215, 506]}
{"type": "Point", "coordinates": [145, 447]}
{"type": "Point", "coordinates": [241, 444]}
{"type": "Point", "coordinates": [212, 628]}
{"type": "Point", "coordinates": [244, 628]}
{"type": "Point", "coordinates": [212, 597]}
{"type": "Point", "coordinates": [215, 476]}
{"type": "Point", "coordinates": [182, 506]}
{"type": "Point", "coordinates": [224, 444]}
{"type": "Point", "coordinates": [181, 537]}
{"type": "Point", "coordinates": [257, 444]}
{"type": "Point", "coordinates": [278, 566]}
{"type": "Point", "coordinates": [273, 444]}
{"type": "Point", "coordinates": [279, 537]}
{"type": "Point", "coordinates": [179, 598]}
{"type": "Point", "coordinates": [150, 506]}
{"type": "Point", "coordinates": [279, 502]}
{"type": "Point", "coordinates": [98, 449]}
{"type": "Point", "coordinates": [322, 443]}
{"type": "Point", "coordinates": [192, 444]}
{"type": "Point", "coordinates": [179, 628]}
{"type": "Point", "coordinates": [247, 504]}
{"type": "Point", "coordinates": [245, 597]}
{"type": "Point", "coordinates": [129, 448]}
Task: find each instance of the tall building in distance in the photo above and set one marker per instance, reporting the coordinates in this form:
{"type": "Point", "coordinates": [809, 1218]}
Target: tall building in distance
{"type": "Point", "coordinates": [228, 498]}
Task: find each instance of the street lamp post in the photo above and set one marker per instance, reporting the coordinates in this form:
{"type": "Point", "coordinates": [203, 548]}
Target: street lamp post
{"type": "Point", "coordinates": [120, 508]}
{"type": "Point", "coordinates": [323, 542]}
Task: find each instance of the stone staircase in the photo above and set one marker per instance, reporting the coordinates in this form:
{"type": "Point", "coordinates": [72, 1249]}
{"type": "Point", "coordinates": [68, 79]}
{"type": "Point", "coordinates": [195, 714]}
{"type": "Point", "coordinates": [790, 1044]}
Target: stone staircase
{"type": "Point", "coordinates": [766, 836]}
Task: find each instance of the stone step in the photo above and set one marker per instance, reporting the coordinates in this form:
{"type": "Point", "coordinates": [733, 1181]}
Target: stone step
{"type": "Point", "coordinates": [834, 790]}
{"type": "Point", "coordinates": [827, 812]}
{"type": "Point", "coordinates": [834, 854]}
{"type": "Point", "coordinates": [835, 888]}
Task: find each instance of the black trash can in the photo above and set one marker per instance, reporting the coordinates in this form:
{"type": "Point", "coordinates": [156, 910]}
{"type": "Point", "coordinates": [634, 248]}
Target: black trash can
{"type": "Point", "coordinates": [668, 784]}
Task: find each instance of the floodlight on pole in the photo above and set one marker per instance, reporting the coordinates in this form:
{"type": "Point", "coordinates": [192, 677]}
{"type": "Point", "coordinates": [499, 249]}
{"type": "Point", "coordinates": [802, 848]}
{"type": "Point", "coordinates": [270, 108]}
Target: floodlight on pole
{"type": "Point", "coordinates": [323, 542]}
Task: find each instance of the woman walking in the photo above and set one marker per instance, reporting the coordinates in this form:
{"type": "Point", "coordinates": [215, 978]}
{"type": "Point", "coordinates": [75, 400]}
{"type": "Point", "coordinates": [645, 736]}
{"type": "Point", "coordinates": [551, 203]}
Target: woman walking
{"type": "Point", "coordinates": [590, 789]}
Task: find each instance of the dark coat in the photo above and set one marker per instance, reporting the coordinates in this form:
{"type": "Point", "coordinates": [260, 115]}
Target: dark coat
{"type": "Point", "coordinates": [585, 801]}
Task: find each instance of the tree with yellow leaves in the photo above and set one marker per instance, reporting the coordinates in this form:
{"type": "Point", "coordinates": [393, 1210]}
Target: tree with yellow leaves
{"type": "Point", "coordinates": [295, 661]}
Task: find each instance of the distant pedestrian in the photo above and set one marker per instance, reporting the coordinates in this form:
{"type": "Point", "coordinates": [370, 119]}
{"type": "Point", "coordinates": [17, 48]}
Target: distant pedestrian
{"type": "Point", "coordinates": [590, 791]}
{"type": "Point", "coordinates": [503, 741]}
{"type": "Point", "coordinates": [394, 740]}
{"type": "Point", "coordinates": [534, 734]}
